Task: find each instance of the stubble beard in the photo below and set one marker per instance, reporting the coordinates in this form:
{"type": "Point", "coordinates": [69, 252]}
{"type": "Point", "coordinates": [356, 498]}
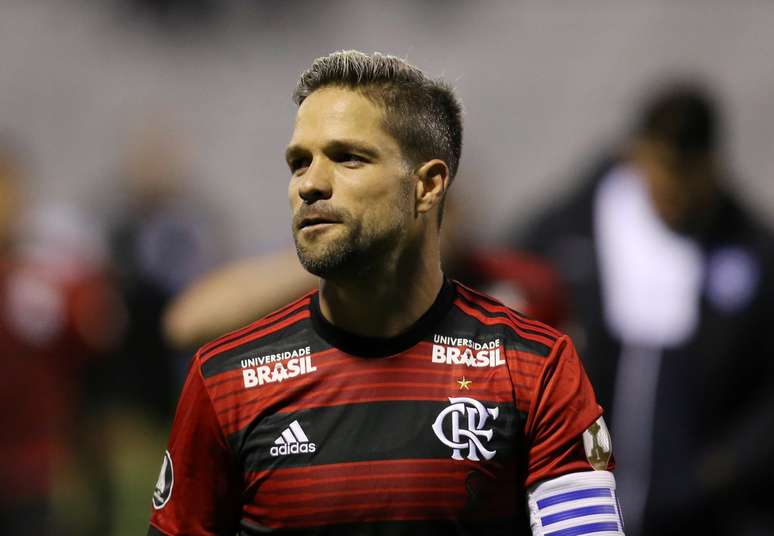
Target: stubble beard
{"type": "Point", "coordinates": [354, 254]}
{"type": "Point", "coordinates": [362, 249]}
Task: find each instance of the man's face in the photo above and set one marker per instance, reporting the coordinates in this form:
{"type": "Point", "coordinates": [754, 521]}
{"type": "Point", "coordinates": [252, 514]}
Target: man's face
{"type": "Point", "coordinates": [351, 193]}
{"type": "Point", "coordinates": [683, 191]}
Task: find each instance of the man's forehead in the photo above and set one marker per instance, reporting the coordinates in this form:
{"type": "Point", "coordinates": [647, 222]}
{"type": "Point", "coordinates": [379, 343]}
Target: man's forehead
{"type": "Point", "coordinates": [338, 112]}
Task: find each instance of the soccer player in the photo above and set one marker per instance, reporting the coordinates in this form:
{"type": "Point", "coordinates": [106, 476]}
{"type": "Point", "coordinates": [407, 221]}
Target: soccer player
{"type": "Point", "coordinates": [393, 400]}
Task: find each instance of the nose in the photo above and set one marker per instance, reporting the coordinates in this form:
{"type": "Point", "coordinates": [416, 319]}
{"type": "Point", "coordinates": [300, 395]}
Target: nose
{"type": "Point", "coordinates": [316, 184]}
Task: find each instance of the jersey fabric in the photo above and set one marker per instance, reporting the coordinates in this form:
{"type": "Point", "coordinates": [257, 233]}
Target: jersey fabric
{"type": "Point", "coordinates": [293, 426]}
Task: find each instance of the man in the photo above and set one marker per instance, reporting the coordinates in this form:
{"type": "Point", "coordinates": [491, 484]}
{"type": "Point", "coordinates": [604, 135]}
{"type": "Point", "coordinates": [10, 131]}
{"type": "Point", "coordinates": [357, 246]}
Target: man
{"type": "Point", "coordinates": [392, 401]}
{"type": "Point", "coordinates": [671, 283]}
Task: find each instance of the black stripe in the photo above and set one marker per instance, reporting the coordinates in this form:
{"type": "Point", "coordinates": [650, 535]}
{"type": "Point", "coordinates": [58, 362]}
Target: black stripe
{"type": "Point", "coordinates": [518, 525]}
{"type": "Point", "coordinates": [367, 432]}
{"type": "Point", "coordinates": [289, 338]}
{"type": "Point", "coordinates": [153, 531]}
{"type": "Point", "coordinates": [228, 338]}
{"type": "Point", "coordinates": [491, 314]}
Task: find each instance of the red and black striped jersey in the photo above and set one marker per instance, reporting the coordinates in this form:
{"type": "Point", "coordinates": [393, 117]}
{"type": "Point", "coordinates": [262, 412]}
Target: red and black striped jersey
{"type": "Point", "coordinates": [292, 426]}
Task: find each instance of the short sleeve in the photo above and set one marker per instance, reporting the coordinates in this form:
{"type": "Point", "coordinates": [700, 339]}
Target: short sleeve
{"type": "Point", "coordinates": [563, 406]}
{"type": "Point", "coordinates": [198, 492]}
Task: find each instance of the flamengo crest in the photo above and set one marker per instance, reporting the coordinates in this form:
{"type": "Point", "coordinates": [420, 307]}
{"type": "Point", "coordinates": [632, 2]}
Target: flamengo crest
{"type": "Point", "coordinates": [468, 417]}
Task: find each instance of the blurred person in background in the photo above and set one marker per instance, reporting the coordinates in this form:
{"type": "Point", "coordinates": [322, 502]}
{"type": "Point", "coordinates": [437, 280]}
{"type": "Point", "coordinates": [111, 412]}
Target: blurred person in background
{"type": "Point", "coordinates": [59, 317]}
{"type": "Point", "coordinates": [671, 287]}
{"type": "Point", "coordinates": [241, 291]}
{"type": "Point", "coordinates": [161, 237]}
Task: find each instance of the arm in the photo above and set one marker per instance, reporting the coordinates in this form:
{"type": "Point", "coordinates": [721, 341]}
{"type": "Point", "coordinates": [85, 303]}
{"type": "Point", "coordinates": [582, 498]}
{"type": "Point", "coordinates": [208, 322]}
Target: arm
{"type": "Point", "coordinates": [575, 503]}
{"type": "Point", "coordinates": [198, 492]}
{"type": "Point", "coordinates": [234, 296]}
{"type": "Point", "coordinates": [571, 490]}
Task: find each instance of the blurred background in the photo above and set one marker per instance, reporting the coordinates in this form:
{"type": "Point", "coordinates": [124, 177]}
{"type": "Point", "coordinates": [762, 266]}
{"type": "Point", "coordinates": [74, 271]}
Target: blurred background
{"type": "Point", "coordinates": [141, 147]}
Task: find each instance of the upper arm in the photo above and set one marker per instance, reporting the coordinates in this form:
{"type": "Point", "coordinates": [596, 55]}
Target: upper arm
{"type": "Point", "coordinates": [199, 488]}
{"type": "Point", "coordinates": [563, 406]}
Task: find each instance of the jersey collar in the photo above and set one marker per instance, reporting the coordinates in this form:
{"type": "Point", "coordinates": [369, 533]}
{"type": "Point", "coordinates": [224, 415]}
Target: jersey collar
{"type": "Point", "coordinates": [383, 346]}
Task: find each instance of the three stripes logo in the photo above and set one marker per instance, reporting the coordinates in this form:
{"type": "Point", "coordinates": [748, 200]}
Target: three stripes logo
{"type": "Point", "coordinates": [293, 440]}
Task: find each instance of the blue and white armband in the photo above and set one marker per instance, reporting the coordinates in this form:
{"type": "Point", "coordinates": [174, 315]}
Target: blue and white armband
{"type": "Point", "coordinates": [575, 504]}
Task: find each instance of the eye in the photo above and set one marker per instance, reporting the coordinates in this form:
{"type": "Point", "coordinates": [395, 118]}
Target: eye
{"type": "Point", "coordinates": [298, 165]}
{"type": "Point", "coordinates": [350, 159]}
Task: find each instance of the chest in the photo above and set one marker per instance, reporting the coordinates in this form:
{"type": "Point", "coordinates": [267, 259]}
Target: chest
{"type": "Point", "coordinates": [405, 438]}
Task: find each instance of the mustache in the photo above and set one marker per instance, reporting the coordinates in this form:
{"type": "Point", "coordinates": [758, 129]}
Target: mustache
{"type": "Point", "coordinates": [321, 211]}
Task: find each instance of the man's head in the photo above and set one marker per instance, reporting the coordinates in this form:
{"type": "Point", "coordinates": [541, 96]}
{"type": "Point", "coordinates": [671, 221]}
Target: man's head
{"type": "Point", "coordinates": [11, 175]}
{"type": "Point", "coordinates": [375, 146]}
{"type": "Point", "coordinates": [676, 143]}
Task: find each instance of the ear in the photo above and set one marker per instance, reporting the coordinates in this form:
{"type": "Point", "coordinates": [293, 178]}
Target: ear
{"type": "Point", "coordinates": [432, 183]}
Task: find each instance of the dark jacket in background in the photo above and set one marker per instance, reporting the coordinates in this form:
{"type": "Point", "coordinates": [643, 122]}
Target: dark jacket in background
{"type": "Point", "coordinates": [713, 429]}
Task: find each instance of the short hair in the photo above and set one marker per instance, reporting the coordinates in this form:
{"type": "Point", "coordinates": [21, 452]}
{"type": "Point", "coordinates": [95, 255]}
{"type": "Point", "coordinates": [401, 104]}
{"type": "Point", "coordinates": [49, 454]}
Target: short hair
{"type": "Point", "coordinates": [422, 114]}
{"type": "Point", "coordinates": [684, 116]}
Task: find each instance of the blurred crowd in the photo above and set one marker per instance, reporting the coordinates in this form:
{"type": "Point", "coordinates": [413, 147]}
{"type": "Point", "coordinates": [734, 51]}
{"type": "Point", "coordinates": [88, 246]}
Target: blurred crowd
{"type": "Point", "coordinates": [651, 263]}
{"type": "Point", "coordinates": [89, 379]}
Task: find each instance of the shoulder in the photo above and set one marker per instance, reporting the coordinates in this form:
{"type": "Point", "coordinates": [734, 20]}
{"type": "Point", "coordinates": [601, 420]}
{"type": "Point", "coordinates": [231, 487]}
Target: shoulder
{"type": "Point", "coordinates": [264, 332]}
{"type": "Point", "coordinates": [522, 333]}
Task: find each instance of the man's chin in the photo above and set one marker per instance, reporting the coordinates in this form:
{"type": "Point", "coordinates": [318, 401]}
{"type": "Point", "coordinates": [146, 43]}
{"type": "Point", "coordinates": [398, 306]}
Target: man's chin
{"type": "Point", "coordinates": [320, 259]}
{"type": "Point", "coordinates": [322, 267]}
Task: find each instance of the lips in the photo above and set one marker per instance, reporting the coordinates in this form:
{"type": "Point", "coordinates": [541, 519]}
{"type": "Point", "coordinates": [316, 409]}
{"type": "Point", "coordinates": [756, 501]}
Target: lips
{"type": "Point", "coordinates": [316, 220]}
{"type": "Point", "coordinates": [310, 221]}
{"type": "Point", "coordinates": [317, 216]}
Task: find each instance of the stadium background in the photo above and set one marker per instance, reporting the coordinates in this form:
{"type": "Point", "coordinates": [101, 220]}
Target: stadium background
{"type": "Point", "coordinates": [543, 83]}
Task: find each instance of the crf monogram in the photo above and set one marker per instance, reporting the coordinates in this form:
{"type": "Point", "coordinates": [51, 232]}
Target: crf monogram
{"type": "Point", "coordinates": [466, 435]}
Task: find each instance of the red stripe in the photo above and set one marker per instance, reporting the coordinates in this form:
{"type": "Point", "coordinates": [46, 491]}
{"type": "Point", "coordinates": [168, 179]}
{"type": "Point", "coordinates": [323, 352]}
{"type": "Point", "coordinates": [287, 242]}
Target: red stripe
{"type": "Point", "coordinates": [361, 502]}
{"type": "Point", "coordinates": [493, 321]}
{"type": "Point", "coordinates": [485, 303]}
{"type": "Point", "coordinates": [368, 491]}
{"type": "Point", "coordinates": [355, 482]}
{"type": "Point", "coordinates": [257, 335]}
{"type": "Point", "coordinates": [400, 375]}
{"type": "Point", "coordinates": [353, 366]}
{"type": "Point", "coordinates": [318, 498]}
{"type": "Point", "coordinates": [402, 388]}
{"type": "Point", "coordinates": [388, 511]}
{"type": "Point", "coordinates": [335, 357]}
{"type": "Point", "coordinates": [356, 366]}
{"type": "Point", "coordinates": [271, 317]}
{"type": "Point", "coordinates": [524, 360]}
{"type": "Point", "coordinates": [369, 397]}
{"type": "Point", "coordinates": [373, 468]}
{"type": "Point", "coordinates": [527, 374]}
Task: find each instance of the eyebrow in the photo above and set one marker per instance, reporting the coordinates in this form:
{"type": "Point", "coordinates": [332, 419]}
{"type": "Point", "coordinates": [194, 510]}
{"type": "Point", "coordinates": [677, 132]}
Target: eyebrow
{"type": "Point", "coordinates": [343, 145]}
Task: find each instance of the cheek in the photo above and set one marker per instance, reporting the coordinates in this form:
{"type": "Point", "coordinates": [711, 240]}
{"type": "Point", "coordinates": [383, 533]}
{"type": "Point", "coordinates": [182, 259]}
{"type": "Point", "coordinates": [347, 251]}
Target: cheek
{"type": "Point", "coordinates": [292, 193]}
{"type": "Point", "coordinates": [391, 209]}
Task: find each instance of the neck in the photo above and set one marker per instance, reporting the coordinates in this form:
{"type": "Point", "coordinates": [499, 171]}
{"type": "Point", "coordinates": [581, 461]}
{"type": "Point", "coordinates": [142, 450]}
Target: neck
{"type": "Point", "coordinates": [387, 301]}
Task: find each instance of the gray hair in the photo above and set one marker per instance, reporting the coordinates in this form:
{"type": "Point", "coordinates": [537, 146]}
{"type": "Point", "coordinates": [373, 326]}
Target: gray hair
{"type": "Point", "coordinates": [422, 114]}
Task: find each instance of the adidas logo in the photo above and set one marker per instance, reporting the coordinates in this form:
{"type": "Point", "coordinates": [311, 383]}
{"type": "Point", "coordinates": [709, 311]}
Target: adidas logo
{"type": "Point", "coordinates": [292, 441]}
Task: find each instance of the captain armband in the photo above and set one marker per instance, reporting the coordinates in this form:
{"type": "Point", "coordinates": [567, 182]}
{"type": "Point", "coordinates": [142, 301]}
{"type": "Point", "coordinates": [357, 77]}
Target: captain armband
{"type": "Point", "coordinates": [574, 504]}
